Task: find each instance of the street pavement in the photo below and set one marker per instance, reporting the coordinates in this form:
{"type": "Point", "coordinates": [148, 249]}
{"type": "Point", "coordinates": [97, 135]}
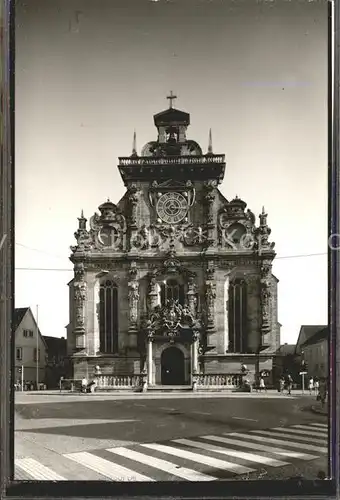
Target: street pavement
{"type": "Point", "coordinates": [168, 437]}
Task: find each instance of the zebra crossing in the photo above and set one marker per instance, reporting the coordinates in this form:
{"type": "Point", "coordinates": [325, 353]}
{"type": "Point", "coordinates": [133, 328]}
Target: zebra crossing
{"type": "Point", "coordinates": [202, 458]}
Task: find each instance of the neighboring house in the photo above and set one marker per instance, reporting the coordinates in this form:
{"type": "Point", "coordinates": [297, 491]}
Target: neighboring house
{"type": "Point", "coordinates": [57, 362]}
{"type": "Point", "coordinates": [306, 332]}
{"type": "Point", "coordinates": [30, 352]}
{"type": "Point", "coordinates": [314, 351]}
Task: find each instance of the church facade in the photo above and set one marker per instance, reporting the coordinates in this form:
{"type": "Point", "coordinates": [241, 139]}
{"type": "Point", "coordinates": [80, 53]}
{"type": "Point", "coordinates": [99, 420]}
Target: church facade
{"type": "Point", "coordinates": [173, 285]}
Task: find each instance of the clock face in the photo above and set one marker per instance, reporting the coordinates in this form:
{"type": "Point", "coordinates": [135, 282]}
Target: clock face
{"type": "Point", "coordinates": [172, 207]}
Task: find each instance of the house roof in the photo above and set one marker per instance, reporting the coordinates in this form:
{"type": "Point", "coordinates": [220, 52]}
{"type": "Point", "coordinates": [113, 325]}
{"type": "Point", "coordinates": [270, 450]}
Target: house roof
{"type": "Point", "coordinates": [307, 332]}
{"type": "Point", "coordinates": [286, 349]}
{"type": "Point", "coordinates": [18, 316]}
{"type": "Point", "coordinates": [55, 344]}
{"type": "Point", "coordinates": [322, 334]}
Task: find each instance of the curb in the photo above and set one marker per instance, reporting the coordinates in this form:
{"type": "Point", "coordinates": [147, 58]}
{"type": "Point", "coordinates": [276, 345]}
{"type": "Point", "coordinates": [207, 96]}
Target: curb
{"type": "Point", "coordinates": [319, 411]}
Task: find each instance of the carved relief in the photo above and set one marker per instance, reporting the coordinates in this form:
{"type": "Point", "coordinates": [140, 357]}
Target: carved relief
{"type": "Point", "coordinates": [133, 296]}
{"type": "Point", "coordinates": [265, 296]}
{"type": "Point", "coordinates": [209, 199]}
{"type": "Point", "coordinates": [170, 320]}
{"type": "Point", "coordinates": [80, 296]}
{"type": "Point", "coordinates": [210, 296]}
{"type": "Point", "coordinates": [192, 295]}
{"type": "Point", "coordinates": [133, 201]}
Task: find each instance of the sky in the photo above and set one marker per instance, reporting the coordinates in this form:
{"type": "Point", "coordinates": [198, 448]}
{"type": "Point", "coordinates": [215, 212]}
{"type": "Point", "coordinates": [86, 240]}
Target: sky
{"type": "Point", "coordinates": [90, 73]}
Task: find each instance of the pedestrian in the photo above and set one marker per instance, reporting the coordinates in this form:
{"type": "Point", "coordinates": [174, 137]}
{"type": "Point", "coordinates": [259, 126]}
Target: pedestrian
{"type": "Point", "coordinates": [289, 384]}
{"type": "Point", "coordinates": [322, 391]}
{"type": "Point", "coordinates": [262, 384]}
{"type": "Point", "coordinates": [311, 385]}
{"type": "Point", "coordinates": [83, 384]}
{"type": "Point", "coordinates": [316, 386]}
{"type": "Point", "coordinates": [282, 384]}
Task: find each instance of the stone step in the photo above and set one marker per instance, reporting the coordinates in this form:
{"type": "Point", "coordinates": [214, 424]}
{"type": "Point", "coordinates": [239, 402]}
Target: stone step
{"type": "Point", "coordinates": [169, 388]}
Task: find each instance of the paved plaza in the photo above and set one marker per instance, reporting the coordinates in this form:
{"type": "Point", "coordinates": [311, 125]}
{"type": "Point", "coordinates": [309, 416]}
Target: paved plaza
{"type": "Point", "coordinates": [168, 437]}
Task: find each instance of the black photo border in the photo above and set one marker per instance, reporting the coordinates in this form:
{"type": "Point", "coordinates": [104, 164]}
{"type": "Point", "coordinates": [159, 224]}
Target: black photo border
{"type": "Point", "coordinates": [296, 488]}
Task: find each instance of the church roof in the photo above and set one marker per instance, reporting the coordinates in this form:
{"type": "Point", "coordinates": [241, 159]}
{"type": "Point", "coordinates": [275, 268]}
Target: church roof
{"type": "Point", "coordinates": [171, 116]}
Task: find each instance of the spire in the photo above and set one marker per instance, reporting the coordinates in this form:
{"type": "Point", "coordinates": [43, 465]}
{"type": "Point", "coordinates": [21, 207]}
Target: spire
{"type": "Point", "coordinates": [263, 218]}
{"type": "Point", "coordinates": [134, 145]}
{"type": "Point", "coordinates": [210, 147]}
{"type": "Point", "coordinates": [171, 97]}
{"type": "Point", "coordinates": [82, 221]}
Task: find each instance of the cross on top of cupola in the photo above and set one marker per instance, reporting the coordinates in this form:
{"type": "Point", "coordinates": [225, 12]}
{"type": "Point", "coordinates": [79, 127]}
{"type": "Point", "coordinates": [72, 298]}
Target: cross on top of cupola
{"type": "Point", "coordinates": [171, 97]}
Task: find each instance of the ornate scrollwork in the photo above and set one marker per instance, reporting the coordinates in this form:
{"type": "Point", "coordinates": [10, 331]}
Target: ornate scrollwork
{"type": "Point", "coordinates": [169, 320]}
{"type": "Point", "coordinates": [107, 230]}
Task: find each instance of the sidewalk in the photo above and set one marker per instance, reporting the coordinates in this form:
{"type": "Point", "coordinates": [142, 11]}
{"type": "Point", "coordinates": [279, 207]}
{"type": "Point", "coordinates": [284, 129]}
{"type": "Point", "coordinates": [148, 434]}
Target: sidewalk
{"type": "Point", "coordinates": [56, 395]}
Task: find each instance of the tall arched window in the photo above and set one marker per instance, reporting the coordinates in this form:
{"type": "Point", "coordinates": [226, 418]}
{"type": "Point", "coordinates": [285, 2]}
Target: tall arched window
{"type": "Point", "coordinates": [108, 317]}
{"type": "Point", "coordinates": [237, 316]}
{"type": "Point", "coordinates": [172, 290]}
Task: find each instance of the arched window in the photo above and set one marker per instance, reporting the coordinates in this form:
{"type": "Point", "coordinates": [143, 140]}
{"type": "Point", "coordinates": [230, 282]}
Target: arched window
{"type": "Point", "coordinates": [108, 317]}
{"type": "Point", "coordinates": [237, 316]}
{"type": "Point", "coordinates": [172, 290]}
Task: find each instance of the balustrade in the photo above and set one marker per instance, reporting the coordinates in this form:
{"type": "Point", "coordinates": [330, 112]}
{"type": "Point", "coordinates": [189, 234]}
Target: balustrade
{"type": "Point", "coordinates": [197, 160]}
{"type": "Point", "coordinates": [219, 380]}
{"type": "Point", "coordinates": [118, 382]}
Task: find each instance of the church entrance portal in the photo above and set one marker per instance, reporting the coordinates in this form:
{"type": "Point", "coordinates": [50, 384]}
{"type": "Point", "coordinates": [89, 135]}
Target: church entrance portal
{"type": "Point", "coordinates": [172, 366]}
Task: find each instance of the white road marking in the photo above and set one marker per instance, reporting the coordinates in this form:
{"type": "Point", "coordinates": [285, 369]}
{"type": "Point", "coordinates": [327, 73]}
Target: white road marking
{"type": "Point", "coordinates": [260, 447]}
{"type": "Point", "coordinates": [307, 427]}
{"type": "Point", "coordinates": [165, 408]}
{"type": "Point", "coordinates": [202, 459]}
{"type": "Point", "coordinates": [37, 471]}
{"type": "Point", "coordinates": [296, 432]}
{"type": "Point", "coordinates": [201, 412]}
{"type": "Point", "coordinates": [106, 468]}
{"type": "Point", "coordinates": [290, 436]}
{"type": "Point", "coordinates": [232, 453]}
{"type": "Point", "coordinates": [243, 418]}
{"type": "Point", "coordinates": [164, 465]}
{"type": "Point", "coordinates": [320, 425]}
{"type": "Point", "coordinates": [319, 449]}
{"type": "Point", "coordinates": [136, 404]}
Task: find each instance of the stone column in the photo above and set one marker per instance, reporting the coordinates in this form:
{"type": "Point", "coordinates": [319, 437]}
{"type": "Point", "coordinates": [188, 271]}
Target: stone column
{"type": "Point", "coordinates": [96, 316]}
{"type": "Point", "coordinates": [210, 296]}
{"type": "Point", "coordinates": [133, 304]}
{"type": "Point", "coordinates": [149, 361]}
{"type": "Point", "coordinates": [226, 314]}
{"type": "Point", "coordinates": [194, 359]}
{"type": "Point", "coordinates": [80, 297]}
{"type": "Point", "coordinates": [265, 302]}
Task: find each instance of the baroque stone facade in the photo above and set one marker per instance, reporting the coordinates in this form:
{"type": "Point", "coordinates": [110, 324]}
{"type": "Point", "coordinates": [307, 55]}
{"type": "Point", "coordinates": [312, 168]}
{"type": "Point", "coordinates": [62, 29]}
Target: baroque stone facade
{"type": "Point", "coordinates": [173, 284]}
